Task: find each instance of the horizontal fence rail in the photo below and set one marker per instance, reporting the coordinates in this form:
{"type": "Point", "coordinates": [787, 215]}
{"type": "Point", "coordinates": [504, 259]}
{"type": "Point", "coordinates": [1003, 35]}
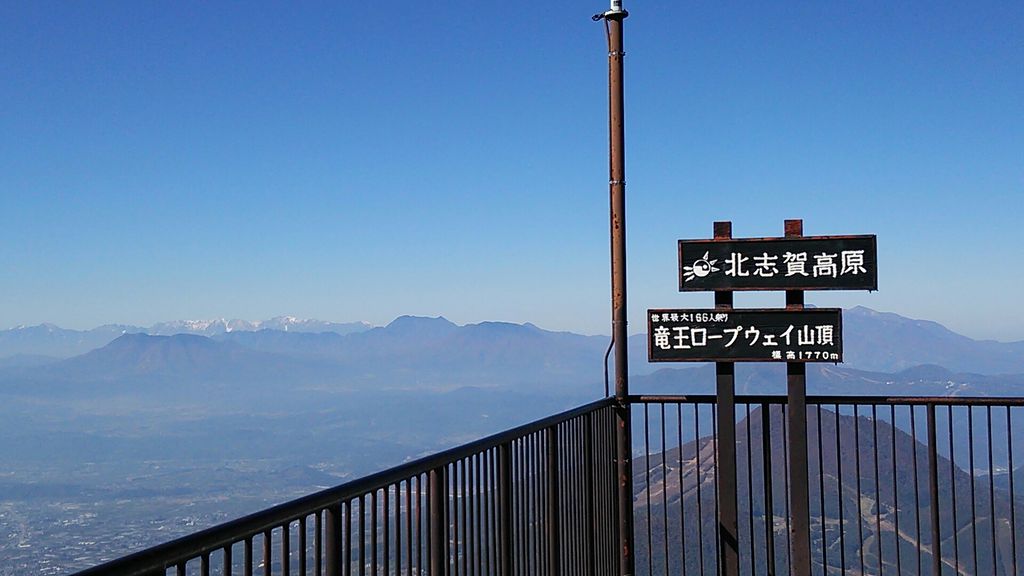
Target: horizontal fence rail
{"type": "Point", "coordinates": [915, 486]}
{"type": "Point", "coordinates": [537, 499]}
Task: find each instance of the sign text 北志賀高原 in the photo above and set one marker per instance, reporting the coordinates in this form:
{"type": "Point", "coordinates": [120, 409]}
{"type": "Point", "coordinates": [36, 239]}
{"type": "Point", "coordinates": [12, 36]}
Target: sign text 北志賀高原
{"type": "Point", "coordinates": [706, 335]}
{"type": "Point", "coordinates": [804, 263]}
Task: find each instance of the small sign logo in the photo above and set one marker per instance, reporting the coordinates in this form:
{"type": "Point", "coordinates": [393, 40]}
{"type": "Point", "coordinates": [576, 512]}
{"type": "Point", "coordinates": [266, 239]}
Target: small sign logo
{"type": "Point", "coordinates": [700, 268]}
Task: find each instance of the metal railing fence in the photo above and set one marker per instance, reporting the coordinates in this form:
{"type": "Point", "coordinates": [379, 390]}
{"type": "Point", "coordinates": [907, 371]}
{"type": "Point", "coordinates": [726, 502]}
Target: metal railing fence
{"type": "Point", "coordinates": [914, 486]}
{"type": "Point", "coordinates": [537, 499]}
{"type": "Point", "coordinates": [888, 479]}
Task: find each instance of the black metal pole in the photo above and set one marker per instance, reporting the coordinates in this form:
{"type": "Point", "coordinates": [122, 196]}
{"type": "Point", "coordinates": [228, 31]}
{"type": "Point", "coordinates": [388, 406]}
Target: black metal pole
{"type": "Point", "coordinates": [617, 190]}
{"type": "Point", "coordinates": [799, 494]}
{"type": "Point", "coordinates": [725, 443]}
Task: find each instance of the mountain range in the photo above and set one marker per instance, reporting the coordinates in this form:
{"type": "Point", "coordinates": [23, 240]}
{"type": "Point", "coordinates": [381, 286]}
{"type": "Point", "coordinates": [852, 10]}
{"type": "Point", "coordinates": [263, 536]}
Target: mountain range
{"type": "Point", "coordinates": [51, 341]}
{"type": "Point", "coordinates": [885, 354]}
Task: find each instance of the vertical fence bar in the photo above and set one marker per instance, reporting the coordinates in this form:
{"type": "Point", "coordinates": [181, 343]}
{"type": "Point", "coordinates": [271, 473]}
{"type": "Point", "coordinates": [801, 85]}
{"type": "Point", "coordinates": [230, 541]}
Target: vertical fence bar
{"type": "Point", "coordinates": [952, 487]}
{"type": "Point", "coordinates": [522, 543]}
{"type": "Point", "coordinates": [535, 506]}
{"type": "Point", "coordinates": [785, 482]}
{"type": "Point", "coordinates": [505, 508]}
{"type": "Point", "coordinates": [302, 546]}
{"type": "Point", "coordinates": [456, 521]}
{"type": "Point", "coordinates": [398, 528]}
{"type": "Point", "coordinates": [679, 472]}
{"type": "Point", "coordinates": [839, 490]}
{"type": "Point", "coordinates": [769, 506]}
{"type": "Point", "coordinates": [664, 489]}
{"type": "Point", "coordinates": [490, 525]}
{"type": "Point", "coordinates": [267, 552]}
{"type": "Point", "coordinates": [821, 489]}
{"type": "Point", "coordinates": [1012, 496]}
{"type": "Point", "coordinates": [974, 492]}
{"type": "Point", "coordinates": [917, 486]}
{"type": "Point", "coordinates": [461, 509]}
{"type": "Point", "coordinates": [860, 506]}
{"type": "Point", "coordinates": [286, 550]}
{"type": "Point", "coordinates": [750, 492]}
{"type": "Point", "coordinates": [878, 485]}
{"type": "Point", "coordinates": [422, 536]}
{"type": "Point", "coordinates": [386, 515]}
{"type": "Point", "coordinates": [473, 533]}
{"type": "Point", "coordinates": [361, 566]}
{"type": "Point", "coordinates": [409, 563]}
{"type": "Point", "coordinates": [318, 543]}
{"type": "Point", "coordinates": [552, 501]}
{"type": "Point", "coordinates": [588, 504]}
{"type": "Point", "coordinates": [386, 529]}
{"type": "Point", "coordinates": [700, 510]}
{"type": "Point", "coordinates": [247, 556]}
{"type": "Point", "coordinates": [437, 499]}
{"type": "Point", "coordinates": [719, 566]}
{"type": "Point", "coordinates": [227, 566]}
{"type": "Point", "coordinates": [895, 489]}
{"type": "Point", "coordinates": [347, 538]}
{"type": "Point", "coordinates": [991, 489]}
{"type": "Point", "coordinates": [933, 491]}
{"type": "Point", "coordinates": [647, 486]}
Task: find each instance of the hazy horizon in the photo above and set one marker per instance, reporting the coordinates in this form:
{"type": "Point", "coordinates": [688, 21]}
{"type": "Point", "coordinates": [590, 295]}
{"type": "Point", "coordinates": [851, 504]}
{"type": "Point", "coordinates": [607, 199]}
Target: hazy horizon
{"type": "Point", "coordinates": [538, 324]}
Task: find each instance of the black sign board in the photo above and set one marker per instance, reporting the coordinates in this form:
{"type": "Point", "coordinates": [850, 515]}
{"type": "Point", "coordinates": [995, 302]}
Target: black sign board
{"type": "Point", "coordinates": [803, 263]}
{"type": "Point", "coordinates": [753, 335]}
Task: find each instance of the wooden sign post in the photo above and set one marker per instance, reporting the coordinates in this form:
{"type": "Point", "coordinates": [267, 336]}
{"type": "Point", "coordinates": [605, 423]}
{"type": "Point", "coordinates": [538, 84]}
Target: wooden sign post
{"type": "Point", "coordinates": [793, 335]}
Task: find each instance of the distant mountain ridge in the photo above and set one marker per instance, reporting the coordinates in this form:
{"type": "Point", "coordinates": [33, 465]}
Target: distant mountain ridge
{"type": "Point", "coordinates": [50, 340]}
{"type": "Point", "coordinates": [421, 352]}
{"type": "Point", "coordinates": [283, 323]}
{"type": "Point", "coordinates": [409, 353]}
{"type": "Point", "coordinates": [888, 342]}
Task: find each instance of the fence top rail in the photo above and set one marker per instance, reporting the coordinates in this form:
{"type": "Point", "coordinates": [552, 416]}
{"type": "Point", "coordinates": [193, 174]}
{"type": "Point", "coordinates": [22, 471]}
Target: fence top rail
{"type": "Point", "coordinates": [159, 558]}
{"type": "Point", "coordinates": [842, 400]}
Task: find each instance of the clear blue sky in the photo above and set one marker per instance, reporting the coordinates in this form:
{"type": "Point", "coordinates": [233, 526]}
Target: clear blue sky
{"type": "Point", "coordinates": [165, 160]}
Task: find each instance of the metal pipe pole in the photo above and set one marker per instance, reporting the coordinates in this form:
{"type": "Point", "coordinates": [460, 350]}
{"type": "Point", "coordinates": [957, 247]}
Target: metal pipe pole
{"type": "Point", "coordinates": [617, 190]}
